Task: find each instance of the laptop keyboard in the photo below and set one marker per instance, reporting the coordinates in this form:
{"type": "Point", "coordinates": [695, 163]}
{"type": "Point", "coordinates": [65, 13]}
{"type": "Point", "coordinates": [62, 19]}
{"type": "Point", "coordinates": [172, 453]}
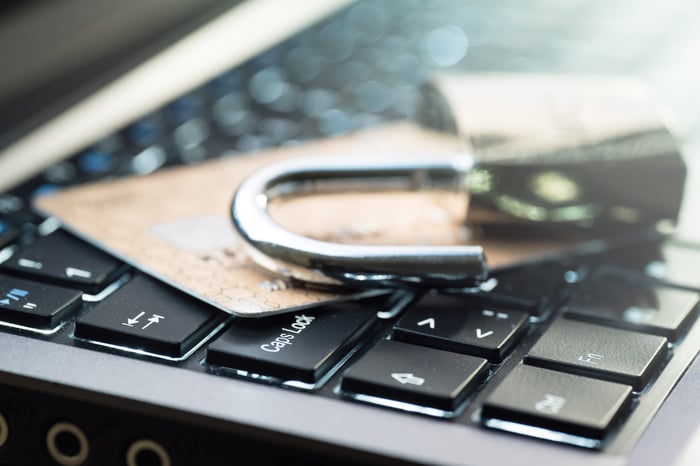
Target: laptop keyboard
{"type": "Point", "coordinates": [566, 349]}
{"type": "Point", "coordinates": [540, 349]}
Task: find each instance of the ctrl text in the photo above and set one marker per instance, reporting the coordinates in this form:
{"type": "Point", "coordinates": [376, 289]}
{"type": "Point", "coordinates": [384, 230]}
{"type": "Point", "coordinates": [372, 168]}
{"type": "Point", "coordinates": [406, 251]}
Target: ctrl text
{"type": "Point", "coordinates": [550, 404]}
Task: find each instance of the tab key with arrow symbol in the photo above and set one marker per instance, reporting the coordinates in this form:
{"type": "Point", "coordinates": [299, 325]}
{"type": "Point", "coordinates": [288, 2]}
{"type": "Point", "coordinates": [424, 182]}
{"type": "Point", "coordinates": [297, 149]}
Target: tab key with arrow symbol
{"type": "Point", "coordinates": [125, 319]}
{"type": "Point", "coordinates": [154, 319]}
{"type": "Point", "coordinates": [131, 321]}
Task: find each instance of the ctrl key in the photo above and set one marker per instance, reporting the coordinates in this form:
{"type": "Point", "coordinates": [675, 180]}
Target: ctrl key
{"type": "Point", "coordinates": [556, 406]}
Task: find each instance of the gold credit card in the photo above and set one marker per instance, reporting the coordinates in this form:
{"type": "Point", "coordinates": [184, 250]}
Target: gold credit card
{"type": "Point", "coordinates": [175, 224]}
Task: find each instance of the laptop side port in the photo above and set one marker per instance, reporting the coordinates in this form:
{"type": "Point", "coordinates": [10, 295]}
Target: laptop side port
{"type": "Point", "coordinates": [4, 431]}
{"type": "Point", "coordinates": [67, 444]}
{"type": "Point", "coordinates": [146, 452]}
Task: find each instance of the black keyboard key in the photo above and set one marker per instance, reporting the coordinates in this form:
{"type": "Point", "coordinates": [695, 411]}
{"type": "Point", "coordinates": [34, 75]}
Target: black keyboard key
{"type": "Point", "coordinates": [613, 300]}
{"type": "Point", "coordinates": [608, 353]}
{"type": "Point", "coordinates": [300, 346]}
{"type": "Point", "coordinates": [673, 262]}
{"type": "Point", "coordinates": [8, 232]}
{"type": "Point", "coordinates": [146, 315]}
{"type": "Point", "coordinates": [556, 401]}
{"type": "Point", "coordinates": [634, 255]}
{"type": "Point", "coordinates": [678, 265]}
{"type": "Point", "coordinates": [455, 323]}
{"type": "Point", "coordinates": [415, 375]}
{"type": "Point", "coordinates": [65, 260]}
{"type": "Point", "coordinates": [530, 288]}
{"type": "Point", "coordinates": [35, 304]}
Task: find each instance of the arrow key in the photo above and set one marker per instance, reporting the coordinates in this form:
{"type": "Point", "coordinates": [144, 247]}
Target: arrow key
{"type": "Point", "coordinates": [415, 374]}
{"type": "Point", "coordinates": [456, 323]}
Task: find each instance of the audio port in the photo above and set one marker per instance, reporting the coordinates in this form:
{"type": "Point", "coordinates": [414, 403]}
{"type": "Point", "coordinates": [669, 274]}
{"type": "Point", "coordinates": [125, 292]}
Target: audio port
{"type": "Point", "coordinates": [4, 431]}
{"type": "Point", "coordinates": [146, 452]}
{"type": "Point", "coordinates": [67, 444]}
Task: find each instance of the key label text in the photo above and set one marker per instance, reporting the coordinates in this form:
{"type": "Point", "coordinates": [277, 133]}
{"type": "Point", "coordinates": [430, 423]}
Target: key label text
{"type": "Point", "coordinates": [301, 322]}
{"type": "Point", "coordinates": [550, 404]}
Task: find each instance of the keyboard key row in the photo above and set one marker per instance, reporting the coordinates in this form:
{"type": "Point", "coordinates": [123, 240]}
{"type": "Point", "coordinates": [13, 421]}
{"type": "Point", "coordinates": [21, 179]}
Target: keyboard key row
{"type": "Point", "coordinates": [605, 347]}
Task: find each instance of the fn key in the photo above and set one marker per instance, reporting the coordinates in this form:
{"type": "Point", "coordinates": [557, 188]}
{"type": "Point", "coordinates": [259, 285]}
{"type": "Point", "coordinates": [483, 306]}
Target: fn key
{"type": "Point", "coordinates": [549, 401]}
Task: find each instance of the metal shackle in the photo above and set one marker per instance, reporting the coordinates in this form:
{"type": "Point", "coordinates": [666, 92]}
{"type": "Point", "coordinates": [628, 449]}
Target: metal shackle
{"type": "Point", "coordinates": [367, 266]}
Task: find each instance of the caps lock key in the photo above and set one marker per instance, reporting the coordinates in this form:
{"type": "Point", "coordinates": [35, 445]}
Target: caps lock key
{"type": "Point", "coordinates": [300, 346]}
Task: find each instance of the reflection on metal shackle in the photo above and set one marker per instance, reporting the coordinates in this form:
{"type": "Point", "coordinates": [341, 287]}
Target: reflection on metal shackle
{"type": "Point", "coordinates": [324, 263]}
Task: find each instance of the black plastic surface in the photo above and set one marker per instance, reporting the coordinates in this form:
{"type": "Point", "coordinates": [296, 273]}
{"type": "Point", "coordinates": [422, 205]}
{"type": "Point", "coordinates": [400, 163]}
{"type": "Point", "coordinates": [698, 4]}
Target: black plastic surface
{"type": "Point", "coordinates": [298, 346]}
{"type": "Point", "coordinates": [144, 314]}
{"type": "Point", "coordinates": [414, 374]}
{"type": "Point", "coordinates": [614, 300]}
{"type": "Point", "coordinates": [607, 353]}
{"type": "Point", "coordinates": [35, 304]}
{"type": "Point", "coordinates": [64, 260]}
{"type": "Point", "coordinates": [562, 402]}
{"type": "Point", "coordinates": [457, 324]}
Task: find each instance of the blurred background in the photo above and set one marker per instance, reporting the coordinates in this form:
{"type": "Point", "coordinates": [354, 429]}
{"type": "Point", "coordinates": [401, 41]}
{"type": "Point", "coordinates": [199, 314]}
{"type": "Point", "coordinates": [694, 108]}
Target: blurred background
{"type": "Point", "coordinates": [363, 65]}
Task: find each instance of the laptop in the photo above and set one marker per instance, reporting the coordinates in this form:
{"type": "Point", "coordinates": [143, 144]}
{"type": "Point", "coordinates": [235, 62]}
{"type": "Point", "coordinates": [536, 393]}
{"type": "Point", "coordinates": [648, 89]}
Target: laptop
{"type": "Point", "coordinates": [583, 353]}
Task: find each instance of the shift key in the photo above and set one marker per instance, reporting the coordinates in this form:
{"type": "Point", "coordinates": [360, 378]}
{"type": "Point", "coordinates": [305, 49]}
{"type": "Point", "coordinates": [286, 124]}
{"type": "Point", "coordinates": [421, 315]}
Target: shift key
{"type": "Point", "coordinates": [300, 346]}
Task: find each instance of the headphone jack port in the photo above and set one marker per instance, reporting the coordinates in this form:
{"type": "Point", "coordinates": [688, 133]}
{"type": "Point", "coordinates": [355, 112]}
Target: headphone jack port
{"type": "Point", "coordinates": [4, 431]}
{"type": "Point", "coordinates": [67, 444]}
{"type": "Point", "coordinates": [146, 452]}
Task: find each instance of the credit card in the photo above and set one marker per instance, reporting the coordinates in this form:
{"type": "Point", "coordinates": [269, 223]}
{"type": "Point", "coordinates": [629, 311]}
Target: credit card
{"type": "Point", "coordinates": [175, 224]}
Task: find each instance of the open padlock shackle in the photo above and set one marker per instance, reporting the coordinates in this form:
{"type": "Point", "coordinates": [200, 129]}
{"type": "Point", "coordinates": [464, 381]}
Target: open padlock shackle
{"type": "Point", "coordinates": [319, 262]}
